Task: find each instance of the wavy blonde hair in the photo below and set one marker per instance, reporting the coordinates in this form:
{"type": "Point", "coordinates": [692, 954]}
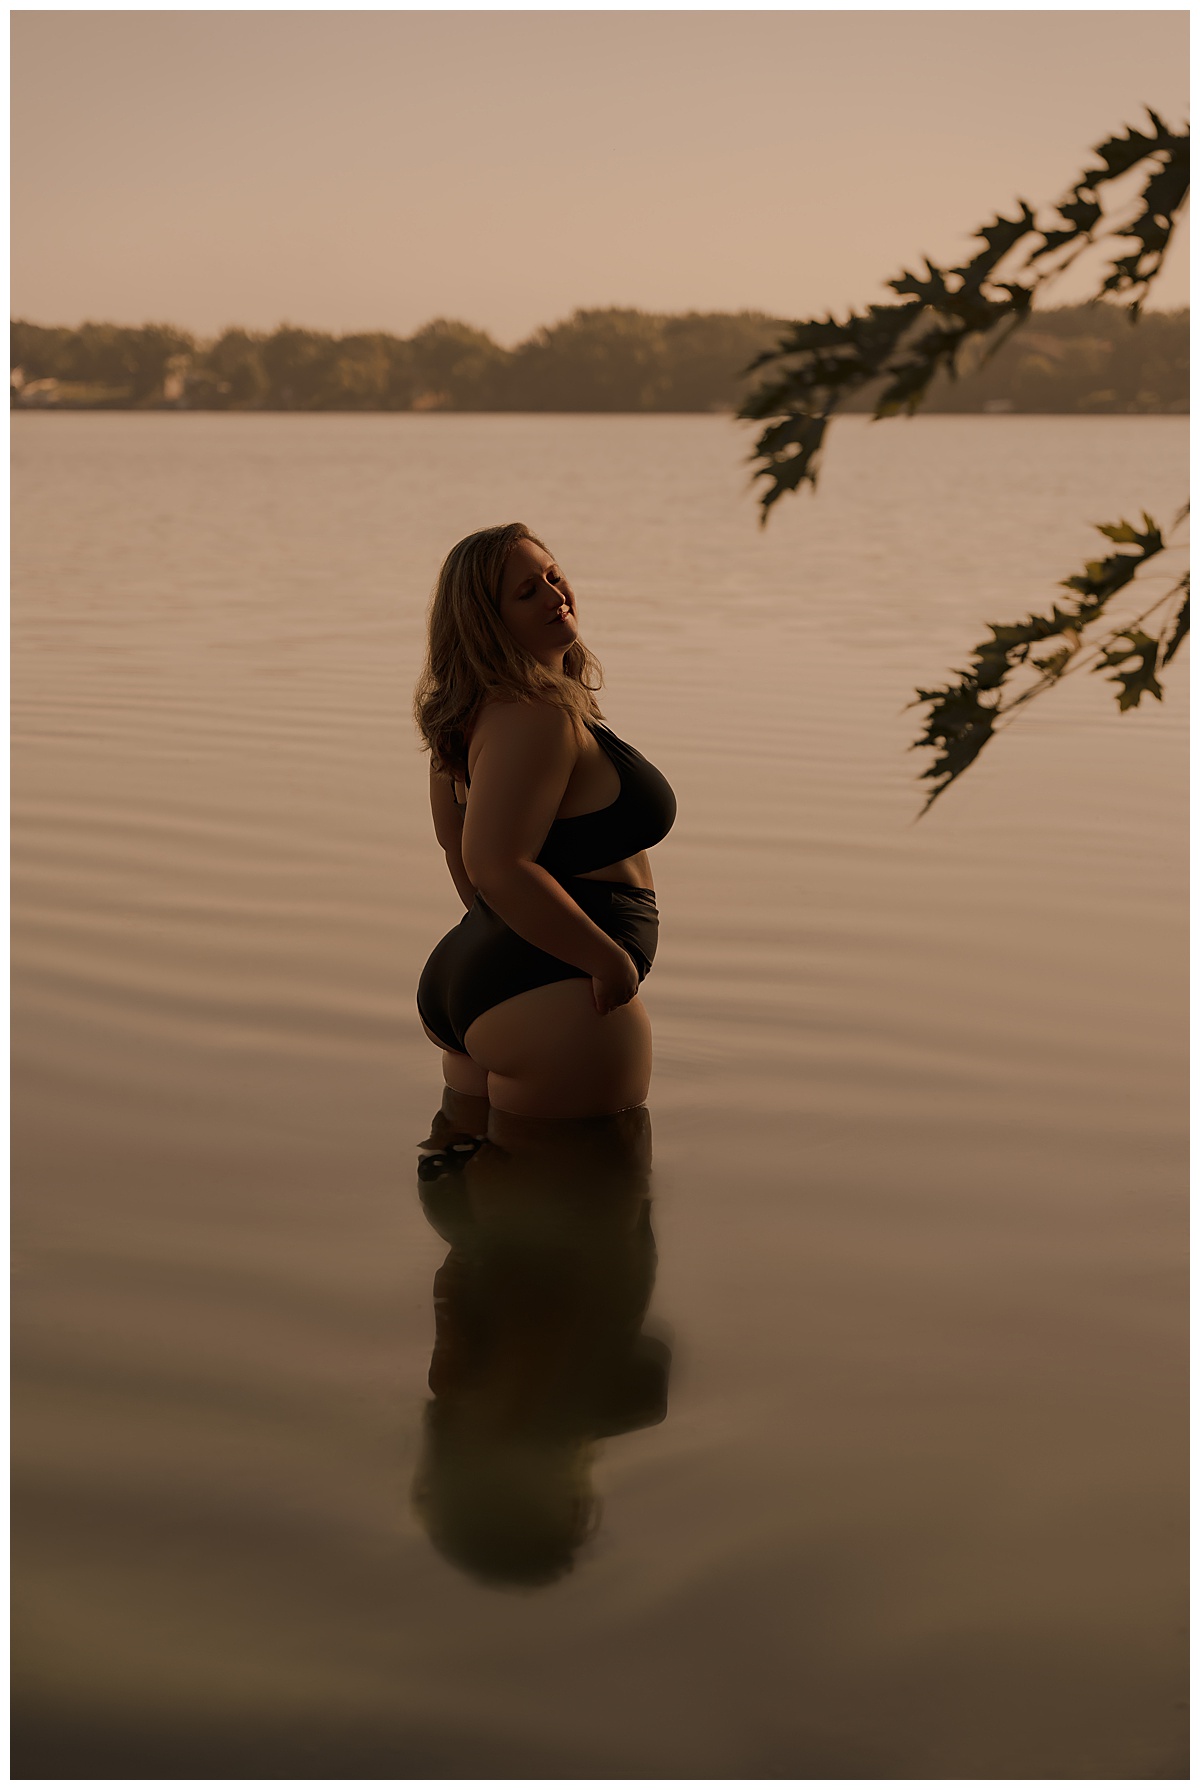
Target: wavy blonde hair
{"type": "Point", "coordinates": [472, 655]}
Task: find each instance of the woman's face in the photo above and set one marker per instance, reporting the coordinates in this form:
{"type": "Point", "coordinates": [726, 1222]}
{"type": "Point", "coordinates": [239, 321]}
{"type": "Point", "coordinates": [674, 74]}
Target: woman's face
{"type": "Point", "coordinates": [537, 605]}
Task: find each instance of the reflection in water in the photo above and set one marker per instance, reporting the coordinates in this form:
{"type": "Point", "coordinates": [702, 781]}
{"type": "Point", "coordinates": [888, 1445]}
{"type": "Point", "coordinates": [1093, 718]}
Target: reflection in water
{"type": "Point", "coordinates": [540, 1350]}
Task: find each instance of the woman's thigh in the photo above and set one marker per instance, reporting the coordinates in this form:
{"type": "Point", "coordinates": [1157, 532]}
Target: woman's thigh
{"type": "Point", "coordinates": [549, 1054]}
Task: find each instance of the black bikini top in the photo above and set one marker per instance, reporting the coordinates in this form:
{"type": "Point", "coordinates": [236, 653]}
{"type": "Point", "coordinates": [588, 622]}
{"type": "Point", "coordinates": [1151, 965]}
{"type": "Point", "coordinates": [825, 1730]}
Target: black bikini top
{"type": "Point", "coordinates": [642, 814]}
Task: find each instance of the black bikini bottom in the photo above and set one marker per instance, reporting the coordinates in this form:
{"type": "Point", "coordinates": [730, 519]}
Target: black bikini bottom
{"type": "Point", "coordinates": [483, 962]}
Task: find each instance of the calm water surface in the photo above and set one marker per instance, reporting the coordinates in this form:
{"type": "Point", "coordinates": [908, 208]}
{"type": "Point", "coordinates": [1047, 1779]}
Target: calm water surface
{"type": "Point", "coordinates": [828, 1420]}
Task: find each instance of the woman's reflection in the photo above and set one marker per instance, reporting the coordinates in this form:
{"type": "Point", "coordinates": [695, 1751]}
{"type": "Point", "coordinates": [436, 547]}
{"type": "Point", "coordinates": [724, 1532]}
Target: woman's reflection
{"type": "Point", "coordinates": [539, 1348]}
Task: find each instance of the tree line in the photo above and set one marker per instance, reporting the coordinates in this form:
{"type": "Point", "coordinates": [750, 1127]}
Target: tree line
{"type": "Point", "coordinates": [1081, 358]}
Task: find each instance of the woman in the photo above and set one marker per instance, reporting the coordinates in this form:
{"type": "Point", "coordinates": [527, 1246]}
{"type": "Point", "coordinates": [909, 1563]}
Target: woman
{"type": "Point", "coordinates": [533, 997]}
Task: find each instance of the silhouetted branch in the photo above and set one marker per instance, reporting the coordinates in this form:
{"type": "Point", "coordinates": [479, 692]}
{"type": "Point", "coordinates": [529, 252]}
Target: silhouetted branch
{"type": "Point", "coordinates": [964, 716]}
{"type": "Point", "coordinates": [820, 363]}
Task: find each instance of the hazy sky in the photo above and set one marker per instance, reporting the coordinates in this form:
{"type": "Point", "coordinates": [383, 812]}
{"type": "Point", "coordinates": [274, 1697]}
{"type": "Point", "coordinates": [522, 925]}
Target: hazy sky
{"type": "Point", "coordinates": [372, 170]}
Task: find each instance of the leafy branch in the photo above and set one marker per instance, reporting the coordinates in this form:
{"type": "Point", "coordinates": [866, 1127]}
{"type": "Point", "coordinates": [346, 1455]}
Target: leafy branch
{"type": "Point", "coordinates": [959, 316]}
{"type": "Point", "coordinates": [946, 312]}
{"type": "Point", "coordinates": [964, 716]}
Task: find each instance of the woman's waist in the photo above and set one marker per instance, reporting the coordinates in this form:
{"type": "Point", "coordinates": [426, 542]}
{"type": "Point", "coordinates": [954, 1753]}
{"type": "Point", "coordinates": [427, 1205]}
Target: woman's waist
{"type": "Point", "coordinates": [632, 872]}
{"type": "Point", "coordinates": [589, 891]}
{"type": "Point", "coordinates": [598, 897]}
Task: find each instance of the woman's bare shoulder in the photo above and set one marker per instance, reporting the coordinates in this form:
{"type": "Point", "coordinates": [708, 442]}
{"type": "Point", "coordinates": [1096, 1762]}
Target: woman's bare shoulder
{"type": "Point", "coordinates": [505, 720]}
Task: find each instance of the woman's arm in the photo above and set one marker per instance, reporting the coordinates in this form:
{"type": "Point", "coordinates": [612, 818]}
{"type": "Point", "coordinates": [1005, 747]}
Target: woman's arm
{"type": "Point", "coordinates": [526, 753]}
{"type": "Point", "coordinates": [448, 826]}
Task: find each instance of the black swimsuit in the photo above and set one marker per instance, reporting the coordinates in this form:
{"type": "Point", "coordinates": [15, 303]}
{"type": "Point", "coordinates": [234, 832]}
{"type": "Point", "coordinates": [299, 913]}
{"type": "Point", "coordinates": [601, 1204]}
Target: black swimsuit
{"type": "Point", "coordinates": [483, 961]}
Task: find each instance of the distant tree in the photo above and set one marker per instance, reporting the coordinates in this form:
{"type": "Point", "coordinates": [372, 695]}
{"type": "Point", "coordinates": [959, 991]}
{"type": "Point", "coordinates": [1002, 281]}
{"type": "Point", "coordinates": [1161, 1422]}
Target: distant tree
{"type": "Point", "coordinates": [359, 375]}
{"type": "Point", "coordinates": [633, 361]}
{"type": "Point", "coordinates": [941, 318]}
{"type": "Point", "coordinates": [148, 352]}
{"type": "Point", "coordinates": [103, 354]}
{"type": "Point", "coordinates": [699, 348]}
{"type": "Point", "coordinates": [39, 352]}
{"type": "Point", "coordinates": [401, 383]}
{"type": "Point", "coordinates": [297, 364]}
{"type": "Point", "coordinates": [454, 367]}
{"type": "Point", "coordinates": [608, 360]}
{"type": "Point", "coordinates": [233, 373]}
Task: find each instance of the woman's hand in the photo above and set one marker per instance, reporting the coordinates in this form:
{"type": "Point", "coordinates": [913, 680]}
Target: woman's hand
{"type": "Point", "coordinates": [617, 984]}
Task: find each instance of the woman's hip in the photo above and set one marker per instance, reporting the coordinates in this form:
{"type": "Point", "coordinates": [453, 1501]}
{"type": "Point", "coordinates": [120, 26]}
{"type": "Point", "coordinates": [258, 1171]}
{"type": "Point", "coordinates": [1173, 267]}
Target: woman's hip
{"type": "Point", "coordinates": [625, 912]}
{"type": "Point", "coordinates": [482, 962]}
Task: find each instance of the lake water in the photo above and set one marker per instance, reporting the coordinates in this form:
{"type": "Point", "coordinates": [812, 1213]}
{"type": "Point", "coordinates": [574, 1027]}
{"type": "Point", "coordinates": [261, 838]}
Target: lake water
{"type": "Point", "coordinates": [830, 1421]}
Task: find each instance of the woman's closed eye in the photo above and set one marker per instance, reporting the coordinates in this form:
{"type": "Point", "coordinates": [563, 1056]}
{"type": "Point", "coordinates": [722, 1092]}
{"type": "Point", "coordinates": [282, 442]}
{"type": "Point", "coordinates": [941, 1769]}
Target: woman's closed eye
{"type": "Point", "coordinates": [554, 578]}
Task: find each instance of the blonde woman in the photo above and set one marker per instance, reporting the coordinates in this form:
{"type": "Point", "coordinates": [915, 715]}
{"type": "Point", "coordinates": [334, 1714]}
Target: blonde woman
{"type": "Point", "coordinates": [533, 997]}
